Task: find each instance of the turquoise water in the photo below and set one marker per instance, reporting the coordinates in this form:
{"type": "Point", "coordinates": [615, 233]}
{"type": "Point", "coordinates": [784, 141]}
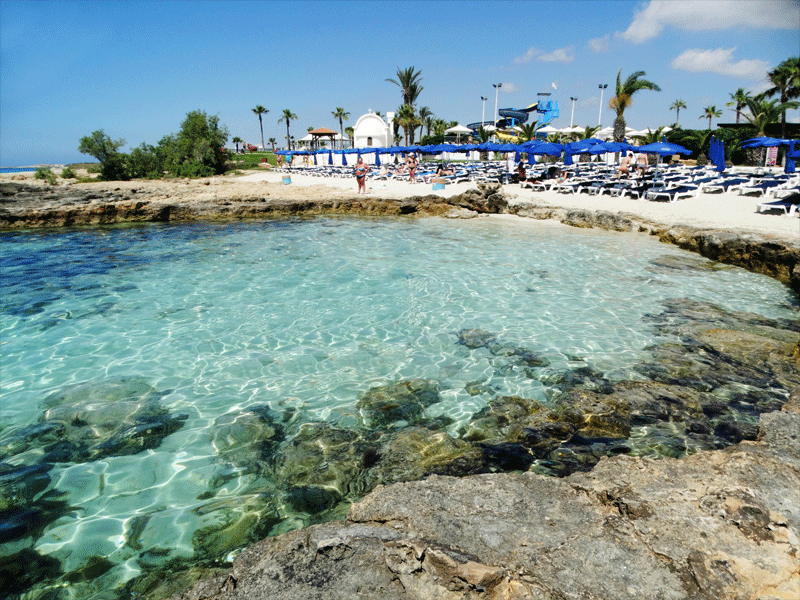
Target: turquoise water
{"type": "Point", "coordinates": [301, 316]}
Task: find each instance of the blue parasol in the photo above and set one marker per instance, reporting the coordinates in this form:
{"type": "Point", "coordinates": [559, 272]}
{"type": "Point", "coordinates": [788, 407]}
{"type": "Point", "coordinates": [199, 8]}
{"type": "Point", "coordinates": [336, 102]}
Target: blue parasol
{"type": "Point", "coordinates": [720, 156]}
{"type": "Point", "coordinates": [761, 142]}
{"type": "Point", "coordinates": [791, 154]}
{"type": "Point", "coordinates": [663, 148]}
{"type": "Point", "coordinates": [547, 148]}
{"type": "Point", "coordinates": [330, 157]}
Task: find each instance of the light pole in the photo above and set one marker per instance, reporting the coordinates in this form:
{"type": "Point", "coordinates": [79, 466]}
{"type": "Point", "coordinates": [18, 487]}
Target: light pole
{"type": "Point", "coordinates": [572, 116]}
{"type": "Point", "coordinates": [483, 112]}
{"type": "Point", "coordinates": [602, 87]}
{"type": "Point", "coordinates": [496, 87]}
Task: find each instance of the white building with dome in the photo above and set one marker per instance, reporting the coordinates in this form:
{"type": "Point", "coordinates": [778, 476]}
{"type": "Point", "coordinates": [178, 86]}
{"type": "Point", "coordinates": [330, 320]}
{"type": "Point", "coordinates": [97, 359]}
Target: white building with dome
{"type": "Point", "coordinates": [371, 131]}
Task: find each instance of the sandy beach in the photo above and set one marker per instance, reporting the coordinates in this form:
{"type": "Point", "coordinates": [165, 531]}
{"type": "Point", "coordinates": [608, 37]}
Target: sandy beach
{"type": "Point", "coordinates": [726, 211]}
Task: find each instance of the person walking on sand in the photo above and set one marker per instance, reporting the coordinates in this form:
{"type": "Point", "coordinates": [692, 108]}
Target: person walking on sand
{"type": "Point", "coordinates": [411, 163]}
{"type": "Point", "coordinates": [361, 175]}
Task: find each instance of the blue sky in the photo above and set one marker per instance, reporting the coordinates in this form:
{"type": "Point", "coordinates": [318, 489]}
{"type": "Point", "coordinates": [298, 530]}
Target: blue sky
{"type": "Point", "coordinates": [135, 69]}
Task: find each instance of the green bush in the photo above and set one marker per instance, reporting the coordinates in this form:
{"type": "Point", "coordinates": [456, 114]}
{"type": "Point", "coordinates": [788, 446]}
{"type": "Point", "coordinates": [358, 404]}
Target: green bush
{"type": "Point", "coordinates": [197, 150]}
{"type": "Point", "coordinates": [46, 174]}
{"type": "Point", "coordinates": [67, 173]}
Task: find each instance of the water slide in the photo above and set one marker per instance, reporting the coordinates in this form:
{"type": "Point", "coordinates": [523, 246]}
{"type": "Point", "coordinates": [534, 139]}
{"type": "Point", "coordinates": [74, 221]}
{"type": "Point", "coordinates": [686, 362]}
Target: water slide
{"type": "Point", "coordinates": [511, 117]}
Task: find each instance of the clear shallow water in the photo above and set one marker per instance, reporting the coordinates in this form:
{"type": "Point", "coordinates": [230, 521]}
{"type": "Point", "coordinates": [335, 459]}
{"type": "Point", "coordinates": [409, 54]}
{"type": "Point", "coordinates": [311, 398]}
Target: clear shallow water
{"type": "Point", "coordinates": [303, 315]}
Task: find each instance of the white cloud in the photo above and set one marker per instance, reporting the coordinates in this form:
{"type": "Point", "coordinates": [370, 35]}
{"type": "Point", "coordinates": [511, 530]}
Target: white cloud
{"type": "Point", "coordinates": [528, 56]}
{"type": "Point", "coordinates": [565, 55]}
{"type": "Point", "coordinates": [600, 44]}
{"type": "Point", "coordinates": [710, 15]}
{"type": "Point", "coordinates": [719, 61]}
{"type": "Point", "coordinates": [509, 87]}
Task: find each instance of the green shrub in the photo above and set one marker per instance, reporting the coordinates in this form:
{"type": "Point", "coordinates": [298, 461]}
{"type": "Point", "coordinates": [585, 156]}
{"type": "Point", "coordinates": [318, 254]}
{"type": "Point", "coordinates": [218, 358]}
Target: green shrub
{"type": "Point", "coordinates": [94, 169]}
{"type": "Point", "coordinates": [46, 174]}
{"type": "Point", "coordinates": [67, 173]}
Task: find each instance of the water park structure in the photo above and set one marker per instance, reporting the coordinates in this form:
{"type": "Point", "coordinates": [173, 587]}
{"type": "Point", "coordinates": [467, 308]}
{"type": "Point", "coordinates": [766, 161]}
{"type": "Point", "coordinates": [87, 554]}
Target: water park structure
{"type": "Point", "coordinates": [545, 108]}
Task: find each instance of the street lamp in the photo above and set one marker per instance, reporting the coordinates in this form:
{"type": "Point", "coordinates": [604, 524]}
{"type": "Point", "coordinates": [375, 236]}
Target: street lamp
{"type": "Point", "coordinates": [496, 87]}
{"type": "Point", "coordinates": [572, 116]}
{"type": "Point", "coordinates": [602, 87]}
{"type": "Point", "coordinates": [483, 112]}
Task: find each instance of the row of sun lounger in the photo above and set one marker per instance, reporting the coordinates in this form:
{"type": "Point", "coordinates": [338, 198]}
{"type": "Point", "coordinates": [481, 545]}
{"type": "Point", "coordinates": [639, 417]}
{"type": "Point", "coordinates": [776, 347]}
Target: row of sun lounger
{"type": "Point", "coordinates": [669, 184]}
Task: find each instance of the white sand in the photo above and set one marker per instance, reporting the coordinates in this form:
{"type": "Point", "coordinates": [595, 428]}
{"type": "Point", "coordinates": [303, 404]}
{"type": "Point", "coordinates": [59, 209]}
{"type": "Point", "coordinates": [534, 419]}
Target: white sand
{"type": "Point", "coordinates": [708, 211]}
{"type": "Point", "coordinates": [713, 211]}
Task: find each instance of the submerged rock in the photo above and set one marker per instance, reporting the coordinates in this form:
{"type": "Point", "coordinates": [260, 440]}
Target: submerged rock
{"type": "Point", "coordinates": [416, 452]}
{"type": "Point", "coordinates": [230, 523]}
{"type": "Point", "coordinates": [92, 420]}
{"type": "Point", "coordinates": [332, 459]}
{"type": "Point", "coordinates": [401, 403]}
{"type": "Point", "coordinates": [248, 437]}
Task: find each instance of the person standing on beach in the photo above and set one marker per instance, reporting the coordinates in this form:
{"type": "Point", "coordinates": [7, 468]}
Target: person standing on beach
{"type": "Point", "coordinates": [625, 165]}
{"type": "Point", "coordinates": [361, 175]}
{"type": "Point", "coordinates": [411, 163]}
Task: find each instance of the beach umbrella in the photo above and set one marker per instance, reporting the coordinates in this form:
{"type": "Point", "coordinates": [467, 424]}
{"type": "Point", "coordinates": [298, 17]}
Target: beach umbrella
{"type": "Point", "coordinates": [344, 159]}
{"type": "Point", "coordinates": [761, 142]}
{"type": "Point", "coordinates": [663, 148]}
{"type": "Point", "coordinates": [791, 154]}
{"type": "Point", "coordinates": [547, 148]}
{"type": "Point", "coordinates": [330, 157]}
{"type": "Point", "coordinates": [567, 156]}
{"type": "Point", "coordinates": [458, 130]}
{"type": "Point", "coordinates": [610, 147]}
{"type": "Point", "coordinates": [377, 159]}
{"type": "Point", "coordinates": [720, 156]}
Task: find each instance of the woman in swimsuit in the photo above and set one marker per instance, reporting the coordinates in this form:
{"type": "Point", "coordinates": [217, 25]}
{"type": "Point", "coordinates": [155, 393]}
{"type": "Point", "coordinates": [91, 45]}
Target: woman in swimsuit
{"type": "Point", "coordinates": [411, 162]}
{"type": "Point", "coordinates": [361, 175]}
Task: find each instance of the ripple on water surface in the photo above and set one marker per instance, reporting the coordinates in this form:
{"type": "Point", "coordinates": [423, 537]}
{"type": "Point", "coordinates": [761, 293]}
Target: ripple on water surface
{"type": "Point", "coordinates": [300, 318]}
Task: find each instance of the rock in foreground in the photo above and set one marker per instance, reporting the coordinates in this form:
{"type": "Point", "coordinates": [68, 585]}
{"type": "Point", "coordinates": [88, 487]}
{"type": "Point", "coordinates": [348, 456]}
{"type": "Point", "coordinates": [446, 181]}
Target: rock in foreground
{"type": "Point", "coordinates": [721, 524]}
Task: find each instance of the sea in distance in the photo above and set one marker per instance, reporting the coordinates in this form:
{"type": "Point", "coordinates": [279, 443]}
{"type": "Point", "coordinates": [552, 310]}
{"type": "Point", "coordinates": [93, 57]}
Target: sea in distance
{"type": "Point", "coordinates": [137, 360]}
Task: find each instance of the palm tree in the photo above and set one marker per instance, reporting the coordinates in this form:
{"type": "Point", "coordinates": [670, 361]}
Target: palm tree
{"type": "Point", "coordinates": [785, 80]}
{"type": "Point", "coordinates": [423, 114]}
{"type": "Point", "coordinates": [678, 105]}
{"type": "Point", "coordinates": [408, 81]}
{"type": "Point", "coordinates": [711, 112]}
{"type": "Point", "coordinates": [429, 123]}
{"type": "Point", "coordinates": [650, 137]}
{"type": "Point", "coordinates": [272, 141]}
{"type": "Point", "coordinates": [340, 114]}
{"type": "Point", "coordinates": [287, 116]}
{"type": "Point", "coordinates": [350, 131]}
{"type": "Point", "coordinates": [622, 98]}
{"type": "Point", "coordinates": [237, 140]}
{"type": "Point", "coordinates": [739, 101]}
{"type": "Point", "coordinates": [528, 131]}
{"type": "Point", "coordinates": [764, 113]}
{"type": "Point", "coordinates": [406, 117]}
{"type": "Point", "coordinates": [439, 126]}
{"type": "Point", "coordinates": [260, 110]}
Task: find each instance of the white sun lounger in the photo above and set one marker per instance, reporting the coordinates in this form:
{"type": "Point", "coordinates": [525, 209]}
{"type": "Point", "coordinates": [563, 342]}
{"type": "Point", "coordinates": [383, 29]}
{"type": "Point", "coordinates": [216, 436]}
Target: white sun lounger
{"type": "Point", "coordinates": [673, 194]}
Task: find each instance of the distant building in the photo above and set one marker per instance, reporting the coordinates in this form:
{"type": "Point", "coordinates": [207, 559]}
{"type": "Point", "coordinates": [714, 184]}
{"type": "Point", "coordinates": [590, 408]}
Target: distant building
{"type": "Point", "coordinates": [372, 131]}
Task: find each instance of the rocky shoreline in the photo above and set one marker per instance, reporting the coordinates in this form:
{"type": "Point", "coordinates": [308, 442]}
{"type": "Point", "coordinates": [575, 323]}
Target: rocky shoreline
{"type": "Point", "coordinates": [466, 517]}
{"type": "Point", "coordinates": [25, 205]}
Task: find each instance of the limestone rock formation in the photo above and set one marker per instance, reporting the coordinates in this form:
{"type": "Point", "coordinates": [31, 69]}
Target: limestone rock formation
{"type": "Point", "coordinates": [719, 524]}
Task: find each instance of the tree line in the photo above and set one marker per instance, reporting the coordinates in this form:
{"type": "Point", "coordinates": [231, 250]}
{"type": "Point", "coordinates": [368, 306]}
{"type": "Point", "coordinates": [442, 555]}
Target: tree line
{"type": "Point", "coordinates": [197, 150]}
